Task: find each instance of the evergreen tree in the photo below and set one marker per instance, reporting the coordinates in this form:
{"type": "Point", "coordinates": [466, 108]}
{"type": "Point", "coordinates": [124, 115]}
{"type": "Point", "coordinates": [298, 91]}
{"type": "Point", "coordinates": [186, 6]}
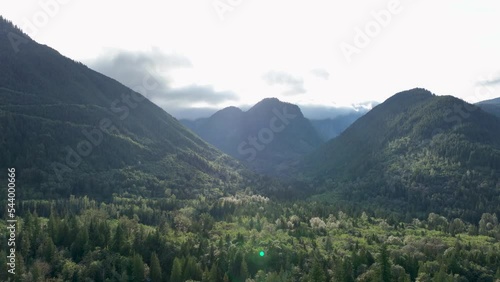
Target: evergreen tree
{"type": "Point", "coordinates": [206, 275]}
{"type": "Point", "coordinates": [137, 268]}
{"type": "Point", "coordinates": [385, 265]}
{"type": "Point", "coordinates": [53, 228]}
{"type": "Point", "coordinates": [119, 240]}
{"type": "Point", "coordinates": [176, 274]}
{"type": "Point", "coordinates": [273, 277]}
{"type": "Point", "coordinates": [214, 274]}
{"type": "Point", "coordinates": [155, 268]}
{"type": "Point", "coordinates": [328, 244]}
{"type": "Point", "coordinates": [244, 270]}
{"type": "Point", "coordinates": [49, 250]}
{"type": "Point", "coordinates": [347, 270]}
{"type": "Point", "coordinates": [192, 271]}
{"type": "Point", "coordinates": [80, 246]}
{"type": "Point", "coordinates": [3, 263]}
{"type": "Point", "coordinates": [442, 276]}
{"type": "Point", "coordinates": [317, 273]}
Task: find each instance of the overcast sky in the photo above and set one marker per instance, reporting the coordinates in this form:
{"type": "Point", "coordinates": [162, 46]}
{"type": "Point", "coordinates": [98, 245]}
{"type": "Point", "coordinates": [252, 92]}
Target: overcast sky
{"type": "Point", "coordinates": [216, 53]}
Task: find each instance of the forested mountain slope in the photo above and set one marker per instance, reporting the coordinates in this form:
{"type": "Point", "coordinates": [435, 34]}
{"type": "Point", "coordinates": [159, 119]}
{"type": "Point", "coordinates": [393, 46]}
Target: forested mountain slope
{"type": "Point", "coordinates": [70, 130]}
{"type": "Point", "coordinates": [491, 106]}
{"type": "Point", "coordinates": [415, 153]}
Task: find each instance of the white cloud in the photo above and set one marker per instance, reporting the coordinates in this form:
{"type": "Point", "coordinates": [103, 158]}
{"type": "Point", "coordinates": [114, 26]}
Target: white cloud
{"type": "Point", "coordinates": [439, 45]}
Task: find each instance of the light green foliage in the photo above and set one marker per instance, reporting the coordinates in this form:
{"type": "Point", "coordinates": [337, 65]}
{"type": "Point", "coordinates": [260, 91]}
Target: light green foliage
{"type": "Point", "coordinates": [346, 248]}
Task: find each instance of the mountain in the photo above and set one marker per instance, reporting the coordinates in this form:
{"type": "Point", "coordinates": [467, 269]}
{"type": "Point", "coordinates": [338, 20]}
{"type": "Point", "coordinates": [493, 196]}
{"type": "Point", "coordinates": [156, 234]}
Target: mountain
{"type": "Point", "coordinates": [268, 137]}
{"type": "Point", "coordinates": [70, 130]}
{"type": "Point", "coordinates": [333, 127]}
{"type": "Point", "coordinates": [491, 106]}
{"type": "Point", "coordinates": [416, 153]}
{"type": "Point", "coordinates": [221, 129]}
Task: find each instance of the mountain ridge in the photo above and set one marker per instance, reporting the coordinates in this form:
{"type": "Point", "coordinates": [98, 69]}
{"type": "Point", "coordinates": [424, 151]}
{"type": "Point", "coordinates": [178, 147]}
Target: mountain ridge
{"type": "Point", "coordinates": [271, 134]}
{"type": "Point", "coordinates": [98, 136]}
{"type": "Point", "coordinates": [410, 153]}
{"type": "Point", "coordinates": [491, 106]}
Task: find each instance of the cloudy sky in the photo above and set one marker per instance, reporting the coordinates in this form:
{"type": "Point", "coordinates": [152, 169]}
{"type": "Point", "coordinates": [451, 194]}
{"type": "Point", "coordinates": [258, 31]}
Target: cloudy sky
{"type": "Point", "coordinates": [207, 54]}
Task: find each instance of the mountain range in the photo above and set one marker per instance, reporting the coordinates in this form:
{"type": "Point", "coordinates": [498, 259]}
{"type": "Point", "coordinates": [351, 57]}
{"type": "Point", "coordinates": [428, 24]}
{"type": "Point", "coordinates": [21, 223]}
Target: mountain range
{"type": "Point", "coordinates": [415, 152]}
{"type": "Point", "coordinates": [72, 131]}
{"type": "Point", "coordinates": [231, 130]}
{"type": "Point", "coordinates": [110, 187]}
{"type": "Point", "coordinates": [268, 137]}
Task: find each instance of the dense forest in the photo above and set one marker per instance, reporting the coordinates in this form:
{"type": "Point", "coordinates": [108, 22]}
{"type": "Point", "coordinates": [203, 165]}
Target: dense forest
{"type": "Point", "coordinates": [415, 153]}
{"type": "Point", "coordinates": [245, 237]}
{"type": "Point", "coordinates": [409, 192]}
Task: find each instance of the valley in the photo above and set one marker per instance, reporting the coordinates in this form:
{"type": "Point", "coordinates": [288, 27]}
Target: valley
{"type": "Point", "coordinates": [111, 187]}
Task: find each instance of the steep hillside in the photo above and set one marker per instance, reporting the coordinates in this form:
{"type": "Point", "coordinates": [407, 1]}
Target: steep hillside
{"type": "Point", "coordinates": [491, 106]}
{"type": "Point", "coordinates": [416, 152]}
{"type": "Point", "coordinates": [70, 130]}
{"type": "Point", "coordinates": [268, 137]}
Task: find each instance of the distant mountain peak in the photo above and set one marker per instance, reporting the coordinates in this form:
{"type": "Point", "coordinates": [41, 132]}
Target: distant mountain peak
{"type": "Point", "coordinates": [228, 112]}
{"type": "Point", "coordinates": [231, 109]}
{"type": "Point", "coordinates": [271, 101]}
{"type": "Point", "coordinates": [411, 94]}
{"type": "Point", "coordinates": [268, 105]}
{"type": "Point", "coordinates": [269, 135]}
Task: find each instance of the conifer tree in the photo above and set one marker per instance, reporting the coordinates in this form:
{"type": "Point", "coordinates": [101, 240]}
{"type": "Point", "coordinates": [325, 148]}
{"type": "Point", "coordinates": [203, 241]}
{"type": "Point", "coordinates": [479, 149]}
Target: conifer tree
{"type": "Point", "coordinates": [176, 274]}
{"type": "Point", "coordinates": [137, 268]}
{"type": "Point", "coordinates": [155, 268]}
{"type": "Point", "coordinates": [385, 265]}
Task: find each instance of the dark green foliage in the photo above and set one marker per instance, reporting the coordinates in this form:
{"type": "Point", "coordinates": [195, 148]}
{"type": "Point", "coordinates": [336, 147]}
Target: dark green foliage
{"type": "Point", "coordinates": [137, 268]}
{"type": "Point", "coordinates": [385, 264]}
{"type": "Point", "coordinates": [317, 273]}
{"type": "Point", "coordinates": [213, 276]}
{"type": "Point", "coordinates": [69, 130]}
{"type": "Point", "coordinates": [80, 246]}
{"type": "Point", "coordinates": [176, 274]}
{"type": "Point", "coordinates": [153, 191]}
{"type": "Point", "coordinates": [3, 263]}
{"type": "Point", "coordinates": [415, 153]}
{"type": "Point", "coordinates": [155, 268]}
